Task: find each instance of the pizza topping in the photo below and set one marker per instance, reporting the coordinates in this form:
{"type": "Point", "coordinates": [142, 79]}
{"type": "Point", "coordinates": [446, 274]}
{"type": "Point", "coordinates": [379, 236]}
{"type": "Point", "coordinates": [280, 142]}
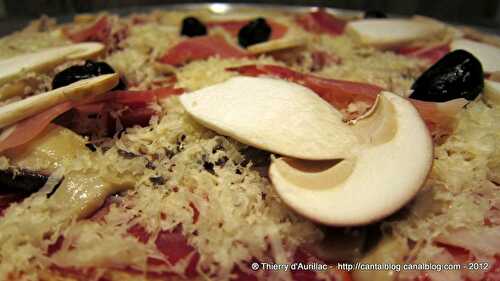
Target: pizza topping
{"type": "Point", "coordinates": [273, 46]}
{"type": "Point", "coordinates": [457, 75]}
{"type": "Point", "coordinates": [21, 181]}
{"type": "Point", "coordinates": [80, 192]}
{"type": "Point", "coordinates": [234, 26]}
{"type": "Point", "coordinates": [339, 93]}
{"type": "Point", "coordinates": [191, 27]}
{"type": "Point", "coordinates": [237, 208]}
{"type": "Point", "coordinates": [431, 54]}
{"type": "Point", "coordinates": [255, 110]}
{"type": "Point", "coordinates": [362, 189]}
{"type": "Point", "coordinates": [439, 117]}
{"type": "Point", "coordinates": [49, 152]}
{"type": "Point", "coordinates": [488, 55]}
{"type": "Point", "coordinates": [374, 14]}
{"type": "Point", "coordinates": [14, 67]}
{"type": "Point", "coordinates": [481, 244]}
{"type": "Point", "coordinates": [98, 32]}
{"type": "Point", "coordinates": [78, 91]}
{"type": "Point", "coordinates": [320, 21]}
{"type": "Point", "coordinates": [390, 33]}
{"type": "Point", "coordinates": [201, 47]}
{"type": "Point", "coordinates": [99, 117]}
{"type": "Point", "coordinates": [389, 129]}
{"type": "Point", "coordinates": [256, 31]}
{"type": "Point", "coordinates": [76, 73]}
{"type": "Point", "coordinates": [31, 127]}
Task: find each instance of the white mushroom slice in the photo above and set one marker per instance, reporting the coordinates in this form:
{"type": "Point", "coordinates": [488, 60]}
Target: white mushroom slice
{"type": "Point", "coordinates": [82, 89]}
{"type": "Point", "coordinates": [387, 33]}
{"type": "Point", "coordinates": [274, 115]}
{"type": "Point", "coordinates": [13, 67]}
{"type": "Point", "coordinates": [394, 157]}
{"type": "Point", "coordinates": [491, 92]}
{"type": "Point", "coordinates": [488, 55]}
{"type": "Point", "coordinates": [286, 42]}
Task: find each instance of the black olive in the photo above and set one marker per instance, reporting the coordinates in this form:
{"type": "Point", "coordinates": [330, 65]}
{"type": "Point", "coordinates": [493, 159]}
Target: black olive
{"type": "Point", "coordinates": [21, 181]}
{"type": "Point", "coordinates": [256, 31]}
{"type": "Point", "coordinates": [90, 69]}
{"type": "Point", "coordinates": [374, 14]}
{"type": "Point", "coordinates": [191, 27]}
{"type": "Point", "coordinates": [457, 75]}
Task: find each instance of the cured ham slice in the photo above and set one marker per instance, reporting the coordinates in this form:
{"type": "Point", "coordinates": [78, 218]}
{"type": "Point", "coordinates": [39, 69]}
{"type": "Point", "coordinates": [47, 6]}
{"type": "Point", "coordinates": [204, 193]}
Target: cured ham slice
{"type": "Point", "coordinates": [199, 48]}
{"type": "Point", "coordinates": [439, 117]}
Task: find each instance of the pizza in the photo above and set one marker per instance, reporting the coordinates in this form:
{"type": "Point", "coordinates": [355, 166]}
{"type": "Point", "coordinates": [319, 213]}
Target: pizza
{"type": "Point", "coordinates": [249, 144]}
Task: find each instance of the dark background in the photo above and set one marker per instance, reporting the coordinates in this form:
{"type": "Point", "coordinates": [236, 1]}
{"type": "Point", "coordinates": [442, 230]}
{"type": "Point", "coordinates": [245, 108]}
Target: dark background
{"type": "Point", "coordinates": [482, 13]}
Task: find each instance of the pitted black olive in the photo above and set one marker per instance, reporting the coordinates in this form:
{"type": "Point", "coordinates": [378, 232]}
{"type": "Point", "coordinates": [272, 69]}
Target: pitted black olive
{"type": "Point", "coordinates": [457, 75]}
{"type": "Point", "coordinates": [90, 69]}
{"type": "Point", "coordinates": [256, 31]}
{"type": "Point", "coordinates": [191, 27]}
{"type": "Point", "coordinates": [375, 14]}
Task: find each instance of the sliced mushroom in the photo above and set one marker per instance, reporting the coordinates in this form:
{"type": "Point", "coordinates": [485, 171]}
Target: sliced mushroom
{"type": "Point", "coordinates": [45, 59]}
{"type": "Point", "coordinates": [287, 42]}
{"type": "Point", "coordinates": [394, 156]}
{"type": "Point", "coordinates": [488, 55]}
{"type": "Point", "coordinates": [388, 33]}
{"type": "Point", "coordinates": [82, 89]}
{"type": "Point", "coordinates": [491, 93]}
{"type": "Point", "coordinates": [273, 115]}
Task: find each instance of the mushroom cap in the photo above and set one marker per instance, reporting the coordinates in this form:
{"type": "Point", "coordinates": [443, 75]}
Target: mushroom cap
{"type": "Point", "coordinates": [46, 58]}
{"type": "Point", "coordinates": [393, 162]}
{"type": "Point", "coordinates": [388, 33]}
{"type": "Point", "coordinates": [86, 88]}
{"type": "Point", "coordinates": [273, 115]}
